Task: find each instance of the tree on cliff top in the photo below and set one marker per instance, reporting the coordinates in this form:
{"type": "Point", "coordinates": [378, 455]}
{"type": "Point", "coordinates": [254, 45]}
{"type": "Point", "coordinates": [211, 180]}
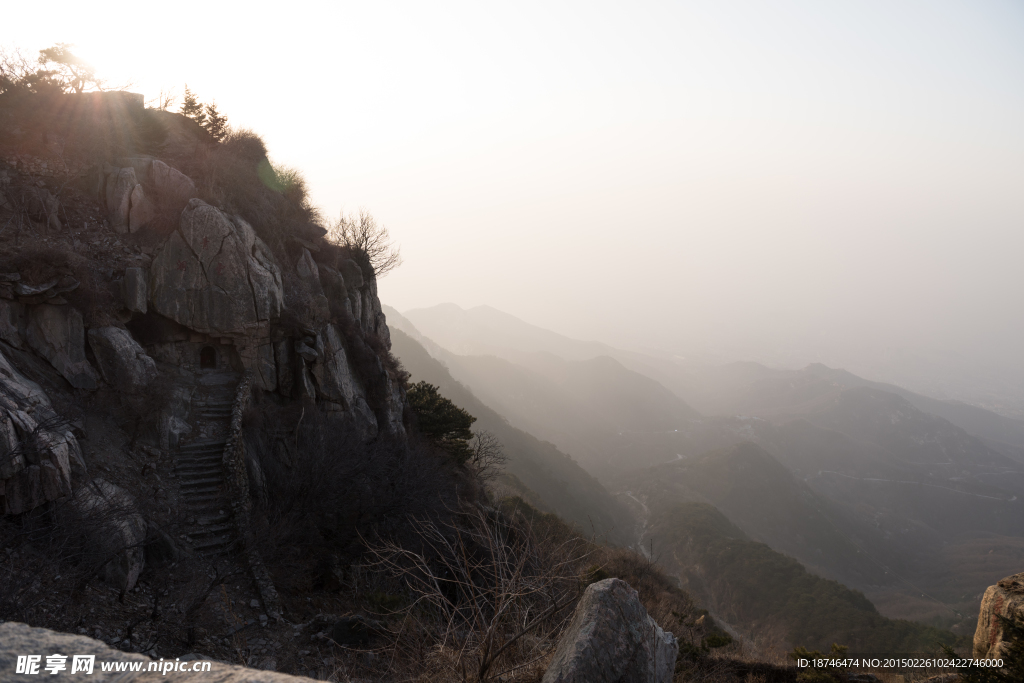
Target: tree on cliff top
{"type": "Point", "coordinates": [192, 107]}
{"type": "Point", "coordinates": [74, 74]}
{"type": "Point", "coordinates": [216, 124]}
{"type": "Point", "coordinates": [442, 422]}
{"type": "Point", "coordinates": [56, 70]}
{"type": "Point", "coordinates": [366, 236]}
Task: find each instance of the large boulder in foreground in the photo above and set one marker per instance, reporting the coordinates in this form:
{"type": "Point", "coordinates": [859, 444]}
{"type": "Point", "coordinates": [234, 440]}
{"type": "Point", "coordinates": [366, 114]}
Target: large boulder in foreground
{"type": "Point", "coordinates": [1005, 599]}
{"type": "Point", "coordinates": [213, 275]}
{"type": "Point", "coordinates": [123, 363]}
{"type": "Point", "coordinates": [612, 639]}
{"type": "Point", "coordinates": [20, 640]}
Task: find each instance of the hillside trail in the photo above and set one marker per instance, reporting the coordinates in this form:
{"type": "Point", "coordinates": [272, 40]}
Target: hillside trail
{"type": "Point", "coordinates": [643, 514]}
{"type": "Point", "coordinates": [199, 466]}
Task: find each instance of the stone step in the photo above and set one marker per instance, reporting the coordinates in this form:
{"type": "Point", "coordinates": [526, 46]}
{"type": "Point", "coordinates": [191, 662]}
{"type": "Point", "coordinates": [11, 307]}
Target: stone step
{"type": "Point", "coordinates": [212, 530]}
{"type": "Point", "coordinates": [195, 466]}
{"type": "Point", "coordinates": [213, 545]}
{"type": "Point", "coordinates": [196, 490]}
{"type": "Point", "coordinates": [195, 499]}
{"type": "Point", "coordinates": [221, 517]}
{"type": "Point", "coordinates": [202, 445]}
{"type": "Point", "coordinates": [208, 455]}
{"type": "Point", "coordinates": [206, 478]}
{"type": "Point", "coordinates": [198, 466]}
{"type": "Point", "coordinates": [196, 469]}
{"type": "Point", "coordinates": [199, 452]}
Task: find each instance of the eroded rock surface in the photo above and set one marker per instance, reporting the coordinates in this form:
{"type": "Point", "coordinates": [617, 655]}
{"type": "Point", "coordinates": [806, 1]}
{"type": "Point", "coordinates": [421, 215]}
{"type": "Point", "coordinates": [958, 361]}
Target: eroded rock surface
{"type": "Point", "coordinates": [213, 275]}
{"type": "Point", "coordinates": [1005, 599]}
{"type": "Point", "coordinates": [111, 519]}
{"type": "Point", "coordinates": [57, 334]}
{"type": "Point", "coordinates": [612, 639]}
{"type": "Point", "coordinates": [37, 452]}
{"type": "Point", "coordinates": [123, 363]}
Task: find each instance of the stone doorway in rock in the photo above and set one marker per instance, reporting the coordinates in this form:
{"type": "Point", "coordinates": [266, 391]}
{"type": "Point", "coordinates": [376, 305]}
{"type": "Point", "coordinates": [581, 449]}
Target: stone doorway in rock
{"type": "Point", "coordinates": [208, 358]}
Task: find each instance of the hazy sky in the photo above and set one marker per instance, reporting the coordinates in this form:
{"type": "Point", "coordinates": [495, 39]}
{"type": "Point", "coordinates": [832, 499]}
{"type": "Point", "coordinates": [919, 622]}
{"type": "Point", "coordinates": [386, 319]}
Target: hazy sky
{"type": "Point", "coordinates": [786, 180]}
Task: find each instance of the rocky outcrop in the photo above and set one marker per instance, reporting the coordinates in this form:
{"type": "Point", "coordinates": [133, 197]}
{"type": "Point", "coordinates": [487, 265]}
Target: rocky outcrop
{"type": "Point", "coordinates": [141, 210]}
{"type": "Point", "coordinates": [1005, 599]}
{"type": "Point", "coordinates": [12, 323]}
{"type": "Point", "coordinates": [135, 290]}
{"type": "Point", "coordinates": [213, 275]}
{"type": "Point", "coordinates": [129, 206]}
{"type": "Point", "coordinates": [612, 639]}
{"type": "Point", "coordinates": [112, 521]}
{"type": "Point", "coordinates": [19, 640]}
{"type": "Point", "coordinates": [57, 334]}
{"type": "Point", "coordinates": [37, 451]}
{"type": "Point", "coordinates": [120, 184]}
{"type": "Point", "coordinates": [122, 361]}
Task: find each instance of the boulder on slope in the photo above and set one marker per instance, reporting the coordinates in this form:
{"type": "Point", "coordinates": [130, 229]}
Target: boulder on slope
{"type": "Point", "coordinates": [1005, 599]}
{"type": "Point", "coordinates": [612, 639]}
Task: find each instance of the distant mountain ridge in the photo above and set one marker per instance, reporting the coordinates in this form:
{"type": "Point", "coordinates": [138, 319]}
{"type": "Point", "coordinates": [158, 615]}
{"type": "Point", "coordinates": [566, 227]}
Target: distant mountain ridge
{"type": "Point", "coordinates": [899, 476]}
{"type": "Point", "coordinates": [741, 388]}
{"type": "Point", "coordinates": [559, 484]}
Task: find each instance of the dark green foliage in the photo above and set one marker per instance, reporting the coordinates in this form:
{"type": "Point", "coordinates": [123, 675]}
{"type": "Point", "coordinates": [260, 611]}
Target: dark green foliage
{"type": "Point", "coordinates": [192, 107]}
{"type": "Point", "coordinates": [442, 422]}
{"type": "Point", "coordinates": [215, 123]}
{"type": "Point", "coordinates": [764, 586]}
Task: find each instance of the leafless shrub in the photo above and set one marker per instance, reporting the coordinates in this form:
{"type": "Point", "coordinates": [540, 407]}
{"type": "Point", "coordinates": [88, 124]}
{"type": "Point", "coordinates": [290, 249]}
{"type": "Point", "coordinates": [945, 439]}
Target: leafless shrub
{"type": "Point", "coordinates": [368, 239]}
{"type": "Point", "coordinates": [488, 598]}
{"type": "Point", "coordinates": [488, 455]}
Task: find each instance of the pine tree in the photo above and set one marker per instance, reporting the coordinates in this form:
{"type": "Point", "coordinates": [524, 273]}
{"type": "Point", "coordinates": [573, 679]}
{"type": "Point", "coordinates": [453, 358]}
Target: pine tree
{"type": "Point", "coordinates": [216, 124]}
{"type": "Point", "coordinates": [193, 108]}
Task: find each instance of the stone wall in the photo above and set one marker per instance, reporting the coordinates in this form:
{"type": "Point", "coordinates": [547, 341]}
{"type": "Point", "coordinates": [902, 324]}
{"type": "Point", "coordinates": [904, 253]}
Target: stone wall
{"type": "Point", "coordinates": [241, 505]}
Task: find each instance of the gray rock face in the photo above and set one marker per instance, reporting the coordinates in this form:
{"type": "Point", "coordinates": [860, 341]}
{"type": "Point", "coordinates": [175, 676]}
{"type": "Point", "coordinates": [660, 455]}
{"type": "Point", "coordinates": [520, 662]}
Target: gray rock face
{"type": "Point", "coordinates": [20, 639]}
{"type": "Point", "coordinates": [612, 639]}
{"type": "Point", "coordinates": [123, 363]}
{"type": "Point", "coordinates": [135, 290]}
{"type": "Point", "coordinates": [334, 374]}
{"type": "Point", "coordinates": [352, 273]}
{"type": "Point", "coordinates": [214, 275]}
{"type": "Point", "coordinates": [141, 210]}
{"type": "Point", "coordinates": [38, 470]}
{"type": "Point", "coordinates": [57, 334]}
{"type": "Point", "coordinates": [115, 524]}
{"type": "Point", "coordinates": [171, 183]}
{"type": "Point", "coordinates": [285, 367]}
{"type": "Point", "coordinates": [1005, 599]}
{"type": "Point", "coordinates": [12, 323]}
{"type": "Point", "coordinates": [121, 182]}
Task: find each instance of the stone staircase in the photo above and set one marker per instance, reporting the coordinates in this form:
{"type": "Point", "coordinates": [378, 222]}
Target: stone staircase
{"type": "Point", "coordinates": [199, 466]}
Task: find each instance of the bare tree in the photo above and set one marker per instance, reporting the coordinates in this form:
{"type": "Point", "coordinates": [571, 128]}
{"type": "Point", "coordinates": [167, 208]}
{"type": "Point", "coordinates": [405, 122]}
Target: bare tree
{"type": "Point", "coordinates": [74, 74]}
{"type": "Point", "coordinates": [364, 234]}
{"type": "Point", "coordinates": [489, 598]}
{"type": "Point", "coordinates": [488, 455]}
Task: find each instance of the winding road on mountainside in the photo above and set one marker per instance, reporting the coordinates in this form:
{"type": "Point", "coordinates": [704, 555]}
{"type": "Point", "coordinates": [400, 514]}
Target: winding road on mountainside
{"type": "Point", "coordinates": [641, 531]}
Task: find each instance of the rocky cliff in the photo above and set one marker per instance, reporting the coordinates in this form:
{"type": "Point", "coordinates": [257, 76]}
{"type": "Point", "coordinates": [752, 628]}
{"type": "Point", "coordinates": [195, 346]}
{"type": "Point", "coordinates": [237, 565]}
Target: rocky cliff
{"type": "Point", "coordinates": [193, 289]}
